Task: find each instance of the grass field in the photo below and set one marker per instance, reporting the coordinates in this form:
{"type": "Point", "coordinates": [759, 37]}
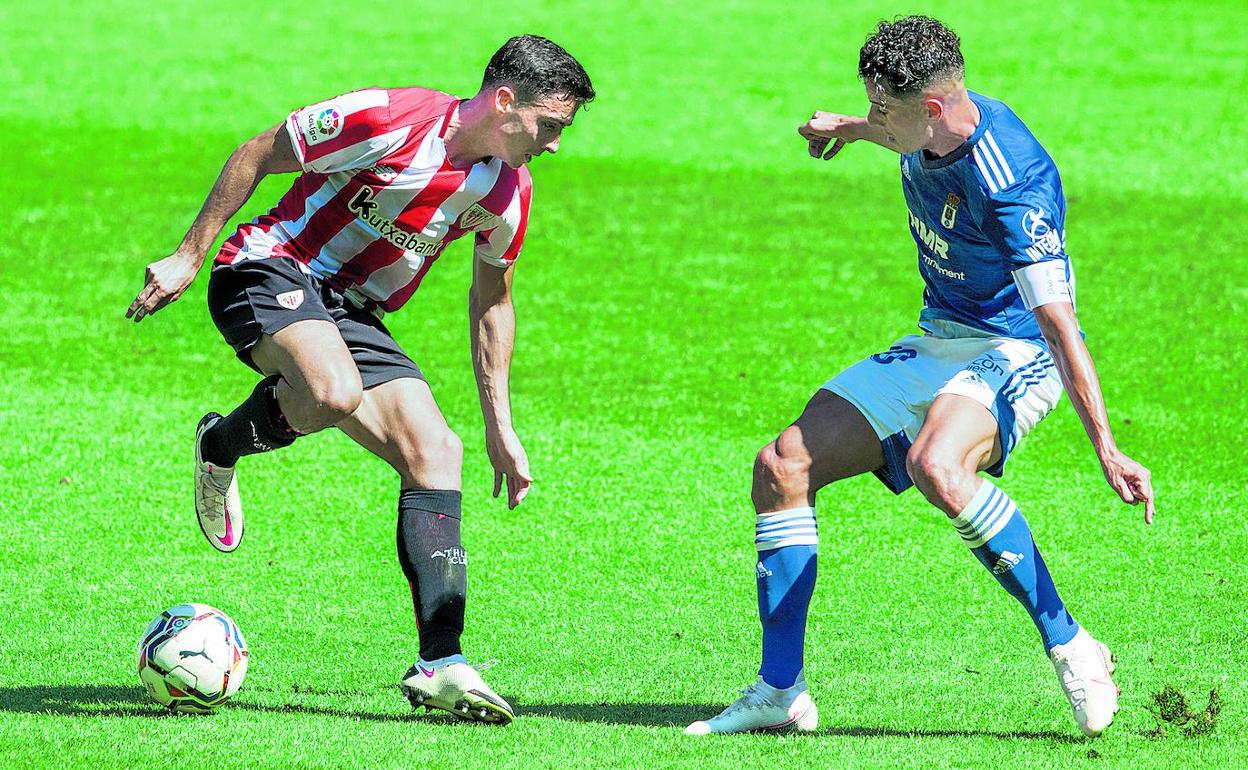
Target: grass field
{"type": "Point", "coordinates": [689, 279]}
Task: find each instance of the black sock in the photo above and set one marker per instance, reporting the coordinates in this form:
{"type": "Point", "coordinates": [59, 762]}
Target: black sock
{"type": "Point", "coordinates": [436, 567]}
{"type": "Point", "coordinates": [257, 425]}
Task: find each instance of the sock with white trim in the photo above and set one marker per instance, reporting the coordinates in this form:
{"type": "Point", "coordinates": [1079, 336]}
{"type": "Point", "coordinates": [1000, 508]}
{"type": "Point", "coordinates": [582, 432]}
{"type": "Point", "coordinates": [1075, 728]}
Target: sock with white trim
{"type": "Point", "coordinates": [996, 532]}
{"type": "Point", "coordinates": [787, 542]}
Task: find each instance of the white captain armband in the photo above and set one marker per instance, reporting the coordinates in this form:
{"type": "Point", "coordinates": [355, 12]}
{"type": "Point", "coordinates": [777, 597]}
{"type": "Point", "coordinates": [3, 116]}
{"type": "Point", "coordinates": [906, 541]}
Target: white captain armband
{"type": "Point", "coordinates": [1041, 283]}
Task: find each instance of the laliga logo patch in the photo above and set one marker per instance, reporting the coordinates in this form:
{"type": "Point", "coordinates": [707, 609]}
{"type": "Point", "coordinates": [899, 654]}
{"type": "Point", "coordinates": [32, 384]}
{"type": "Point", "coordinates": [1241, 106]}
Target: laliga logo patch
{"type": "Point", "coordinates": [949, 214]}
{"type": "Point", "coordinates": [320, 125]}
{"type": "Point", "coordinates": [290, 299]}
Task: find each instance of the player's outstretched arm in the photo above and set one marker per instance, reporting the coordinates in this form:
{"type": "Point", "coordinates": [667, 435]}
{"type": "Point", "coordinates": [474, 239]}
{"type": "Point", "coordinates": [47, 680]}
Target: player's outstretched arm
{"type": "Point", "coordinates": [493, 320]}
{"type": "Point", "coordinates": [1130, 480]}
{"type": "Point", "coordinates": [269, 153]}
{"type": "Point", "coordinates": [830, 128]}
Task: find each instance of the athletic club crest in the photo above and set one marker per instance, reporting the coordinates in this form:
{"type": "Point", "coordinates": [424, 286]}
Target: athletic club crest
{"type": "Point", "coordinates": [290, 299]}
{"type": "Point", "coordinates": [475, 216]}
{"type": "Point", "coordinates": [949, 214]}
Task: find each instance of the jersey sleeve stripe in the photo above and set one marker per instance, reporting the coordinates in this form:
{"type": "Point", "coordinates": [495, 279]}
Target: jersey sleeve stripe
{"type": "Point", "coordinates": [983, 170]}
{"type": "Point", "coordinates": [1005, 167]}
{"type": "Point", "coordinates": [986, 155]}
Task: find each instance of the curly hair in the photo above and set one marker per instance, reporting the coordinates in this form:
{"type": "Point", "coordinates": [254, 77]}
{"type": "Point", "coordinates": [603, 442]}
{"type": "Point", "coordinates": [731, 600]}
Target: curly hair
{"type": "Point", "coordinates": [910, 53]}
{"type": "Point", "coordinates": [536, 67]}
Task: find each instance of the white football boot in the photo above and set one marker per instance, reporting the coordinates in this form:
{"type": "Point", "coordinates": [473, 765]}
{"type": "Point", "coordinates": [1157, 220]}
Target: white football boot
{"type": "Point", "coordinates": [1083, 667]}
{"type": "Point", "coordinates": [217, 506]}
{"type": "Point", "coordinates": [450, 684]}
{"type": "Point", "coordinates": [765, 709]}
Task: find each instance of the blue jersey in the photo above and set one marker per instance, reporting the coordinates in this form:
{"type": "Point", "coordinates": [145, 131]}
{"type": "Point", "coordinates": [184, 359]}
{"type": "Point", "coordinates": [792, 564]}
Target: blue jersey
{"type": "Point", "coordinates": [989, 222]}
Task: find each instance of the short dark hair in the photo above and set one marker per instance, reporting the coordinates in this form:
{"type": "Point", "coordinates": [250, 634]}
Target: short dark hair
{"type": "Point", "coordinates": [910, 53]}
{"type": "Point", "coordinates": [536, 67]}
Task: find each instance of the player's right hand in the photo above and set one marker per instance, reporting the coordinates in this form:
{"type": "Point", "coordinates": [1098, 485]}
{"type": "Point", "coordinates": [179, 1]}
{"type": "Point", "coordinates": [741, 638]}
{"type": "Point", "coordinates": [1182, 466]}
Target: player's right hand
{"type": "Point", "coordinates": [1132, 481]}
{"type": "Point", "coordinates": [826, 128]}
{"type": "Point", "coordinates": [165, 281]}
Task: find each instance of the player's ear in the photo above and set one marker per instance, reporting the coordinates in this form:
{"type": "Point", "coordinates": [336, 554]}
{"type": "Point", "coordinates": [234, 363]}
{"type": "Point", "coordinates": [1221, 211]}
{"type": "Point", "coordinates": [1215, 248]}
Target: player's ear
{"type": "Point", "coordinates": [935, 108]}
{"type": "Point", "coordinates": [504, 98]}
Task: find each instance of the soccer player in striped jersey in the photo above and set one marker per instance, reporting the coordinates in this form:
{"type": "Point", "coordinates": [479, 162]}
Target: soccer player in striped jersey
{"type": "Point", "coordinates": [387, 178]}
{"type": "Point", "coordinates": [999, 340]}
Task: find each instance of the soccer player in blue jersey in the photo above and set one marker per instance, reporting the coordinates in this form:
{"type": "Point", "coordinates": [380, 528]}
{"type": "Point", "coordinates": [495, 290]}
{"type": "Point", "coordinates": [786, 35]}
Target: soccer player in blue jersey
{"type": "Point", "coordinates": [999, 340]}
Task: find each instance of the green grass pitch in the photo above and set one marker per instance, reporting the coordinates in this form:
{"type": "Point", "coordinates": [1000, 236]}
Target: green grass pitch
{"type": "Point", "coordinates": [690, 278]}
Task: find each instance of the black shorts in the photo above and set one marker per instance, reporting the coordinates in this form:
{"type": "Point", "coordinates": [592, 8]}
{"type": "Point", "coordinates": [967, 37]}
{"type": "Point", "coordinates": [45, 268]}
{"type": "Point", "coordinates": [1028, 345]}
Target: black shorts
{"type": "Point", "coordinates": [264, 296]}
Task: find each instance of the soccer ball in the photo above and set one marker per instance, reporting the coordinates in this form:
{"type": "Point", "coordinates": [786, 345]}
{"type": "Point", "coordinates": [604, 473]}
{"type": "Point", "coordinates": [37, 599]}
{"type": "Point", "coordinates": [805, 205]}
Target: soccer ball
{"type": "Point", "coordinates": [192, 658]}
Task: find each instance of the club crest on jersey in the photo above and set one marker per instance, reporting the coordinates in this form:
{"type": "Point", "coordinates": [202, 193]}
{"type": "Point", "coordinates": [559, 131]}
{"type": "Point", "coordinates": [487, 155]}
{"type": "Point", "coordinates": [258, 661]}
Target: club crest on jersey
{"type": "Point", "coordinates": [320, 124]}
{"type": "Point", "coordinates": [475, 216]}
{"type": "Point", "coordinates": [290, 299]}
{"type": "Point", "coordinates": [383, 172]}
{"type": "Point", "coordinates": [949, 214]}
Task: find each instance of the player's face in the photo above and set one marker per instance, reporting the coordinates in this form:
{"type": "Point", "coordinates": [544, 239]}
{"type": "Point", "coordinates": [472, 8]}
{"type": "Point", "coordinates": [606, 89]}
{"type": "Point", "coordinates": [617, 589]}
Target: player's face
{"type": "Point", "coordinates": [530, 129]}
{"type": "Point", "coordinates": [905, 119]}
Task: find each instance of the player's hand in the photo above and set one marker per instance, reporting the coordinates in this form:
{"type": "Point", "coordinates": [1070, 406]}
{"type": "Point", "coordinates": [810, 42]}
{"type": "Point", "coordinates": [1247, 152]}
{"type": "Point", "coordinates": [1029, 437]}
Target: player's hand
{"type": "Point", "coordinates": [510, 464]}
{"type": "Point", "coordinates": [830, 128]}
{"type": "Point", "coordinates": [1130, 480]}
{"type": "Point", "coordinates": [165, 281]}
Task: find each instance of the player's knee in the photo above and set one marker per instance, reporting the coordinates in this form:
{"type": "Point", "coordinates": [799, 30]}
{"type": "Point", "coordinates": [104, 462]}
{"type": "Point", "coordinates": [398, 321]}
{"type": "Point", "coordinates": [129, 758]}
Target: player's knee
{"type": "Point", "coordinates": [936, 476]}
{"type": "Point", "coordinates": [338, 396]}
{"type": "Point", "coordinates": [780, 474]}
{"type": "Point", "coordinates": [432, 458]}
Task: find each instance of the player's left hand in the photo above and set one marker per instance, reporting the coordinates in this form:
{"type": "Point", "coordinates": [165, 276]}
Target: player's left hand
{"type": "Point", "coordinates": [1130, 480]}
{"type": "Point", "coordinates": [510, 464]}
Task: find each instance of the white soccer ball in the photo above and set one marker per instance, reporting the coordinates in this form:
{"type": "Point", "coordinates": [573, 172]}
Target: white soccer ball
{"type": "Point", "coordinates": [192, 658]}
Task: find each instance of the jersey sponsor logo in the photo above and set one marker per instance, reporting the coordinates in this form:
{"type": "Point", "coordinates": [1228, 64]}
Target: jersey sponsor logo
{"type": "Point", "coordinates": [895, 353]}
{"type": "Point", "coordinates": [987, 365]}
{"type": "Point", "coordinates": [949, 214]}
{"type": "Point", "coordinates": [290, 299]}
{"type": "Point", "coordinates": [320, 124]}
{"type": "Point", "coordinates": [905, 167]}
{"type": "Point", "coordinates": [929, 237]}
{"type": "Point", "coordinates": [364, 207]}
{"type": "Point", "coordinates": [475, 216]}
{"type": "Point", "coordinates": [1045, 239]}
{"type": "Point", "coordinates": [939, 269]}
{"type": "Point", "coordinates": [1034, 224]}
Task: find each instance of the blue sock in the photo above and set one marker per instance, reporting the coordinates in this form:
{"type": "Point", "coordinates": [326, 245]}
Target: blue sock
{"type": "Point", "coordinates": [999, 537]}
{"type": "Point", "coordinates": [787, 542]}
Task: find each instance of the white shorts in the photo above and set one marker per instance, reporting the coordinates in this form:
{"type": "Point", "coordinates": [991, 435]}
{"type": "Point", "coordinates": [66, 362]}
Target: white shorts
{"type": "Point", "coordinates": [1014, 379]}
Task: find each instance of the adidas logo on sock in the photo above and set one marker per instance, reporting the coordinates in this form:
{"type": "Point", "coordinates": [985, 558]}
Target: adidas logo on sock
{"type": "Point", "coordinates": [1008, 561]}
{"type": "Point", "coordinates": [762, 571]}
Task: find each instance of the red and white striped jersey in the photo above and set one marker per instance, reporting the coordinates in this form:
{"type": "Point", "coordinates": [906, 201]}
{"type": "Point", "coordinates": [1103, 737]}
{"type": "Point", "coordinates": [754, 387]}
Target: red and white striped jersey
{"type": "Point", "coordinates": [378, 199]}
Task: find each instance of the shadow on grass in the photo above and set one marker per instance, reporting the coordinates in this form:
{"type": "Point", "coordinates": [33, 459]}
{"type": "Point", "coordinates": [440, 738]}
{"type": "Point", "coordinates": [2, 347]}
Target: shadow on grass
{"type": "Point", "coordinates": [679, 715]}
{"type": "Point", "coordinates": [118, 701]}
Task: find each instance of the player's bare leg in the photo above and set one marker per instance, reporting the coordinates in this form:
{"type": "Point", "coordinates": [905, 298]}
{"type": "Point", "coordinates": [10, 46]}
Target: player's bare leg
{"type": "Point", "coordinates": [400, 422]}
{"type": "Point", "coordinates": [829, 442]}
{"type": "Point", "coordinates": [312, 383]}
{"type": "Point", "coordinates": [320, 385]}
{"type": "Point", "coordinates": [959, 437]}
